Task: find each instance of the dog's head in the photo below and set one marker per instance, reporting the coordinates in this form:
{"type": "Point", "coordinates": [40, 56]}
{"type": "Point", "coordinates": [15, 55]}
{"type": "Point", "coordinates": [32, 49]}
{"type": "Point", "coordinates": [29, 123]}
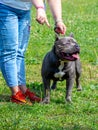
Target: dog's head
{"type": "Point", "coordinates": [67, 48]}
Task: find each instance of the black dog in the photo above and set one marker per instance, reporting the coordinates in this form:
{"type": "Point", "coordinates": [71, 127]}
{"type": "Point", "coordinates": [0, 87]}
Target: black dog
{"type": "Point", "coordinates": [61, 63]}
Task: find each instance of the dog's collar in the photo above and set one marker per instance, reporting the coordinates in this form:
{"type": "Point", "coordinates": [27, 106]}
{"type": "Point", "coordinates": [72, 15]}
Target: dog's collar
{"type": "Point", "coordinates": [65, 61]}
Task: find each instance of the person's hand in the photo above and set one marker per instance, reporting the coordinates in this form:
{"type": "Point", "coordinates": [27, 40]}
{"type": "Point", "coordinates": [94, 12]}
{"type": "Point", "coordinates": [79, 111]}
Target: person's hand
{"type": "Point", "coordinates": [60, 28]}
{"type": "Point", "coordinates": [41, 17]}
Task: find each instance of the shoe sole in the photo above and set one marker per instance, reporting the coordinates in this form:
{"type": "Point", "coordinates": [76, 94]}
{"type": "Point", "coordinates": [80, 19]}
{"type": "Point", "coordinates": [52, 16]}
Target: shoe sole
{"type": "Point", "coordinates": [21, 102]}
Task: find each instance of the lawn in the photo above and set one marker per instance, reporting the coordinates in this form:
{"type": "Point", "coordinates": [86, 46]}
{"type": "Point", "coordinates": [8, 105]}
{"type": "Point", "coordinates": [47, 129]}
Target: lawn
{"type": "Point", "coordinates": [81, 18]}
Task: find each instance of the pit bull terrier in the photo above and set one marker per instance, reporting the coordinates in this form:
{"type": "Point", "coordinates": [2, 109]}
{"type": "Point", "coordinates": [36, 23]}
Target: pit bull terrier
{"type": "Point", "coordinates": [62, 63]}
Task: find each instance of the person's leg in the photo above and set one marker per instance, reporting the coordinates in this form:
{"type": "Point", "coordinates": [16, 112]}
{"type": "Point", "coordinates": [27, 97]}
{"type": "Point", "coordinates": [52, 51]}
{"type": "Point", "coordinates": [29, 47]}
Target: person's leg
{"type": "Point", "coordinates": [8, 49]}
{"type": "Point", "coordinates": [14, 34]}
{"type": "Point", "coordinates": [23, 38]}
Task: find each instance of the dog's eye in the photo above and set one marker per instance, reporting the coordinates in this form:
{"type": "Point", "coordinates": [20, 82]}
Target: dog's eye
{"type": "Point", "coordinates": [69, 40]}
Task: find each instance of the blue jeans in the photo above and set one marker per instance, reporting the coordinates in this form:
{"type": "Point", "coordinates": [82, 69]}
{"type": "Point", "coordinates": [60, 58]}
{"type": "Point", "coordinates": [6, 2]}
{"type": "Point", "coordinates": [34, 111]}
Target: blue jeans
{"type": "Point", "coordinates": [14, 36]}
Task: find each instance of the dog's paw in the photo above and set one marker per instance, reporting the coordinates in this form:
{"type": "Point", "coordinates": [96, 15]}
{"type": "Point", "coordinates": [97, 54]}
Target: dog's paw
{"type": "Point", "coordinates": [45, 101]}
{"type": "Point", "coordinates": [79, 88]}
{"type": "Point", "coordinates": [68, 99]}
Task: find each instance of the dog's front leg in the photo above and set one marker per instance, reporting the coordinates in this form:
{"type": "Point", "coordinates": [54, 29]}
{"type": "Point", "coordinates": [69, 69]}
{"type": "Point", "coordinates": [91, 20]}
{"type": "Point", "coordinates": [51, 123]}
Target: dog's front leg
{"type": "Point", "coordinates": [69, 86]}
{"type": "Point", "coordinates": [46, 91]}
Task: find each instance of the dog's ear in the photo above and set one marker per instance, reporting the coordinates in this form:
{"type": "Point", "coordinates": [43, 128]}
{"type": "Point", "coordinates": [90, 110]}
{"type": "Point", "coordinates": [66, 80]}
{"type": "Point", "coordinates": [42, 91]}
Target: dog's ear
{"type": "Point", "coordinates": [71, 35]}
{"type": "Point", "coordinates": [57, 37]}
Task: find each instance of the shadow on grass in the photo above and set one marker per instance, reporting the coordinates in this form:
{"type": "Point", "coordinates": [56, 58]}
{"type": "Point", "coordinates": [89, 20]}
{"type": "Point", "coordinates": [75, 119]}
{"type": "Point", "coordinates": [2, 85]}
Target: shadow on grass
{"type": "Point", "coordinates": [37, 88]}
{"type": "Point", "coordinates": [4, 98]}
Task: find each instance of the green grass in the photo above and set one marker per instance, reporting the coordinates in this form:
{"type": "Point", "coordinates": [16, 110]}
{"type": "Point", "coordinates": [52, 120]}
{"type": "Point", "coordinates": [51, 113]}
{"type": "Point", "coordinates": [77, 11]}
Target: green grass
{"type": "Point", "coordinates": [81, 18]}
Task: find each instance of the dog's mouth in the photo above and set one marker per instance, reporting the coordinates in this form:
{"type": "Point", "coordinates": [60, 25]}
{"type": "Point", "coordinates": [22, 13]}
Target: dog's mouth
{"type": "Point", "coordinates": [70, 57]}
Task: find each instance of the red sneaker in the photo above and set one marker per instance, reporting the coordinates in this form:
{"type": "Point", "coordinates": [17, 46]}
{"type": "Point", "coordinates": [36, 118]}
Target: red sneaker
{"type": "Point", "coordinates": [32, 96]}
{"type": "Point", "coordinates": [19, 98]}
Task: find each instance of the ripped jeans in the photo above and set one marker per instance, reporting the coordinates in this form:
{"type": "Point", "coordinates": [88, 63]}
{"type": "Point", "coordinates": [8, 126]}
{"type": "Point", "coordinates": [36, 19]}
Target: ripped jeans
{"type": "Point", "coordinates": [14, 36]}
